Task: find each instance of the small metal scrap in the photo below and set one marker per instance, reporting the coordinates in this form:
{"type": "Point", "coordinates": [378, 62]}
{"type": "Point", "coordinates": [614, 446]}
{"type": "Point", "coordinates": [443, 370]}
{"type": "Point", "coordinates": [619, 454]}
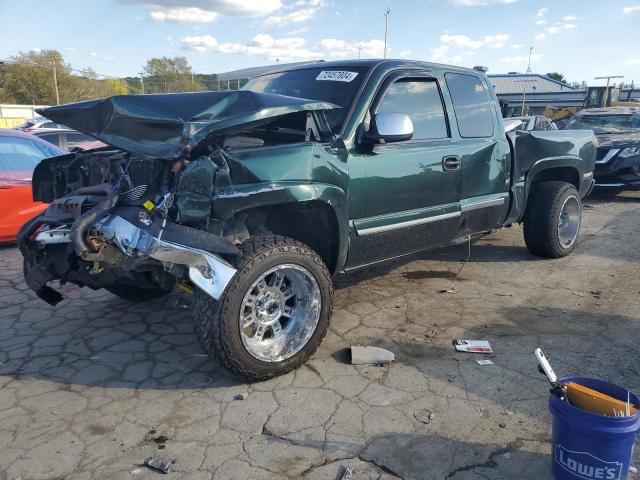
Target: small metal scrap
{"type": "Point", "coordinates": [159, 464]}
{"type": "Point", "coordinates": [347, 474]}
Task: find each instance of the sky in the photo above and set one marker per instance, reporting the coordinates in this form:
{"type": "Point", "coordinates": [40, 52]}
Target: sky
{"type": "Point", "coordinates": [580, 38]}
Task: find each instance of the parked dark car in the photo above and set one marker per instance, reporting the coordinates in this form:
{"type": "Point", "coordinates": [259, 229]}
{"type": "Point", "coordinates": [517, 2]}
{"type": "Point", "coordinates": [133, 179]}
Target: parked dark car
{"type": "Point", "coordinates": [617, 131]}
{"type": "Point", "coordinates": [256, 198]}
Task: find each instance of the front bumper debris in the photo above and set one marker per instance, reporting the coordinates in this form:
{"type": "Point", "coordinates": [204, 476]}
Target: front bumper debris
{"type": "Point", "coordinates": [125, 241]}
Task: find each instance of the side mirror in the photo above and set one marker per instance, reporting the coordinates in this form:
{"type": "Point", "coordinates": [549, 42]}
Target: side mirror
{"type": "Point", "coordinates": [390, 127]}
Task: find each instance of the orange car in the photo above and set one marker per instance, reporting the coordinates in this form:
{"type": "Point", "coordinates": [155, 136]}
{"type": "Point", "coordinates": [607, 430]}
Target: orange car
{"type": "Point", "coordinates": [19, 154]}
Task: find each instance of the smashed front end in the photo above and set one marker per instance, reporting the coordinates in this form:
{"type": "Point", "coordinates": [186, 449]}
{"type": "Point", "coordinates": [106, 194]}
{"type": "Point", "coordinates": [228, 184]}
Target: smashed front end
{"type": "Point", "coordinates": [137, 214]}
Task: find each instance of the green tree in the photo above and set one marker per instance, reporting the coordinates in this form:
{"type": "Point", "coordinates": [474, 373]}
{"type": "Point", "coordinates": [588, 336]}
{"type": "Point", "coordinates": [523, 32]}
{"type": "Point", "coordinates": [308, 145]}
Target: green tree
{"type": "Point", "coordinates": [166, 75]}
{"type": "Point", "coordinates": [28, 77]}
{"type": "Point", "coordinates": [557, 76]}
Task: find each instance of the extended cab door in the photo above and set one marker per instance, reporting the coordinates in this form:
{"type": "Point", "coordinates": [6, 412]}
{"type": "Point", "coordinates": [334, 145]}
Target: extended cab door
{"type": "Point", "coordinates": [483, 150]}
{"type": "Point", "coordinates": [412, 188]}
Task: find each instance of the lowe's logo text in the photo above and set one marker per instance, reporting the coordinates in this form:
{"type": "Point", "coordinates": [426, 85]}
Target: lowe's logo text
{"type": "Point", "coordinates": [584, 465]}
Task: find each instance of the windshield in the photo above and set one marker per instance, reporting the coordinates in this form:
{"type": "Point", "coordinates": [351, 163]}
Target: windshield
{"type": "Point", "coordinates": [604, 123]}
{"type": "Point", "coordinates": [335, 85]}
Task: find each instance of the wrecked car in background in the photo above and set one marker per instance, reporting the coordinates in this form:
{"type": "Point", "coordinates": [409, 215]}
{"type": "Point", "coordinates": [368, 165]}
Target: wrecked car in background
{"type": "Point", "coordinates": [257, 197]}
{"type": "Point", "coordinates": [617, 131]}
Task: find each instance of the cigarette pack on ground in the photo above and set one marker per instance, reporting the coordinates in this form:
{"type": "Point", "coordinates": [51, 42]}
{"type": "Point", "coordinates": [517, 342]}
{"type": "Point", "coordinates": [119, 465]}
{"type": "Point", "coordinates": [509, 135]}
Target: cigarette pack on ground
{"type": "Point", "coordinates": [473, 346]}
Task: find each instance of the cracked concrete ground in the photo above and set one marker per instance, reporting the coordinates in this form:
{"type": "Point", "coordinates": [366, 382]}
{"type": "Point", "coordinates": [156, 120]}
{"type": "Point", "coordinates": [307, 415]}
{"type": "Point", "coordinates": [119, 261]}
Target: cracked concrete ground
{"type": "Point", "coordinates": [91, 388]}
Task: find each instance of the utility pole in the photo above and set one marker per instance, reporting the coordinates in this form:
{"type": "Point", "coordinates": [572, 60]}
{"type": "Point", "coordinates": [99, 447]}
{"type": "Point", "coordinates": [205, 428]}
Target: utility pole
{"type": "Point", "coordinates": [142, 82]}
{"type": "Point", "coordinates": [55, 82]}
{"type": "Point", "coordinates": [386, 29]}
{"type": "Point", "coordinates": [359, 51]}
{"type": "Point", "coordinates": [529, 66]}
{"type": "Point", "coordinates": [192, 81]}
{"type": "Point", "coordinates": [605, 98]}
{"type": "Point", "coordinates": [524, 94]}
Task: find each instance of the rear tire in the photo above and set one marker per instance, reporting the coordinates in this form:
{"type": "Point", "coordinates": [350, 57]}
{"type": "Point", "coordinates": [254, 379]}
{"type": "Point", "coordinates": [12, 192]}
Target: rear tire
{"type": "Point", "coordinates": [280, 281]}
{"type": "Point", "coordinates": [552, 219]}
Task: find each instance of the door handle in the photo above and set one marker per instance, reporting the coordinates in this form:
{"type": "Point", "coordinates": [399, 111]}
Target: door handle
{"type": "Point", "coordinates": [451, 163]}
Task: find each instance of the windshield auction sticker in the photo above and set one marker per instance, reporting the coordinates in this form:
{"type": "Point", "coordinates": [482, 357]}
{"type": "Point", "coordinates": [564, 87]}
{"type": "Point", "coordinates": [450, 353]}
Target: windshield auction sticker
{"type": "Point", "coordinates": [336, 76]}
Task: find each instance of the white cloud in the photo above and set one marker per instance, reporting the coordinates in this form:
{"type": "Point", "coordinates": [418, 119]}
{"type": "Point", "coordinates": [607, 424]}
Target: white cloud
{"type": "Point", "coordinates": [296, 16]}
{"type": "Point", "coordinates": [540, 22]}
{"type": "Point", "coordinates": [498, 40]}
{"type": "Point", "coordinates": [540, 36]}
{"type": "Point", "coordinates": [184, 15]}
{"type": "Point", "coordinates": [405, 54]}
{"type": "Point", "coordinates": [223, 7]}
{"type": "Point", "coordinates": [439, 53]}
{"type": "Point", "coordinates": [523, 59]}
{"type": "Point", "coordinates": [480, 3]}
{"type": "Point", "coordinates": [104, 58]}
{"type": "Point", "coordinates": [542, 12]}
{"type": "Point", "coordinates": [560, 27]}
{"type": "Point", "coordinates": [298, 31]}
{"type": "Point", "coordinates": [460, 41]}
{"type": "Point", "coordinates": [633, 61]}
{"type": "Point", "coordinates": [300, 11]}
{"type": "Point", "coordinates": [631, 9]}
{"type": "Point", "coordinates": [286, 48]}
{"type": "Point", "coordinates": [570, 18]}
{"type": "Point", "coordinates": [515, 46]}
{"type": "Point", "coordinates": [200, 43]}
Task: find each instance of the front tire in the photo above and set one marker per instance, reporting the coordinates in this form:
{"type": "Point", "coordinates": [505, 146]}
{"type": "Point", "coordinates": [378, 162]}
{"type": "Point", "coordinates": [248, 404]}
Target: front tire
{"type": "Point", "coordinates": [273, 314]}
{"type": "Point", "coordinates": [552, 219]}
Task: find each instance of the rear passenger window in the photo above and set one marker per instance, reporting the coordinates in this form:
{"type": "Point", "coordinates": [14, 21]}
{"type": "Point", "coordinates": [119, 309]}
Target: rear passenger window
{"type": "Point", "coordinates": [421, 101]}
{"type": "Point", "coordinates": [471, 105]}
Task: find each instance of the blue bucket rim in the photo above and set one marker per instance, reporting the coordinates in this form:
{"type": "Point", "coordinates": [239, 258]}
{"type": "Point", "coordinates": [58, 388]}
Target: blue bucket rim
{"type": "Point", "coordinates": [589, 419]}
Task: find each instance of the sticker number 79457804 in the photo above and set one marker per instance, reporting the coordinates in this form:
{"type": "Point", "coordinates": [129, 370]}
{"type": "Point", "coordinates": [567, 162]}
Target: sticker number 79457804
{"type": "Point", "coordinates": [336, 76]}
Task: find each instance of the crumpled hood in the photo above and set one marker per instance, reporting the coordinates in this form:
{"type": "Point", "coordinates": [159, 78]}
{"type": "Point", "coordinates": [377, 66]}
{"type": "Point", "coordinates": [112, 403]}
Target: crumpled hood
{"type": "Point", "coordinates": [162, 125]}
{"type": "Point", "coordinates": [617, 140]}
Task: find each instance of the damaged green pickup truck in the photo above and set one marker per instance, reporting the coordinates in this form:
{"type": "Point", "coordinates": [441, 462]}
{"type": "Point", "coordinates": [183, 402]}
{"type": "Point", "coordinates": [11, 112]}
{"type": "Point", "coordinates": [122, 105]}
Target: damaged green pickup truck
{"type": "Point", "coordinates": [255, 198]}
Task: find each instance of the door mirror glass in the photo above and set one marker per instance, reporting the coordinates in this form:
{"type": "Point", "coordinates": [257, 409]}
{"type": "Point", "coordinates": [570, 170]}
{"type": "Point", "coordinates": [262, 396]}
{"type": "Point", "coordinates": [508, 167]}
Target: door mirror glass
{"type": "Point", "coordinates": [391, 127]}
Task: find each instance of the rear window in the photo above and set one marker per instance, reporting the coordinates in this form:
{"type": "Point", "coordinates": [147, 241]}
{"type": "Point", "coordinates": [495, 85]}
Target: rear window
{"type": "Point", "coordinates": [18, 157]}
{"type": "Point", "coordinates": [51, 138]}
{"type": "Point", "coordinates": [471, 104]}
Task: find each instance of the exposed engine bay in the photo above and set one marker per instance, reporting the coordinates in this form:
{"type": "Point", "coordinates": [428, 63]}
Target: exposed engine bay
{"type": "Point", "coordinates": [123, 217]}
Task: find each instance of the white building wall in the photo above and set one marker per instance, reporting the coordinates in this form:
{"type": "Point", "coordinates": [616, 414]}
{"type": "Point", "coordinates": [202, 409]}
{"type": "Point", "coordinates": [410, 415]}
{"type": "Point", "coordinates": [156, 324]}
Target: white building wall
{"type": "Point", "coordinates": [19, 111]}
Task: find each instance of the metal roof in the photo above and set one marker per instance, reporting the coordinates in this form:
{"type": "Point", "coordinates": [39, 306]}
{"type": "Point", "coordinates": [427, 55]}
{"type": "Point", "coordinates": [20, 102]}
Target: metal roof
{"type": "Point", "coordinates": [531, 83]}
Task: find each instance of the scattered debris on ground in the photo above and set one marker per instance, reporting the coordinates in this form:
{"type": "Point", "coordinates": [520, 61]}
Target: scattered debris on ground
{"type": "Point", "coordinates": [484, 362]}
{"type": "Point", "coordinates": [159, 464]}
{"type": "Point", "coordinates": [371, 356]}
{"type": "Point", "coordinates": [347, 474]}
{"type": "Point", "coordinates": [473, 346]}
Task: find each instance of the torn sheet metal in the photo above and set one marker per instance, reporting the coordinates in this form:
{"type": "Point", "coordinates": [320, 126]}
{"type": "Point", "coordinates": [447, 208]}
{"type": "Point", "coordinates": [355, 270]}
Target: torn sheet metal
{"type": "Point", "coordinates": [207, 271]}
{"type": "Point", "coordinates": [163, 125]}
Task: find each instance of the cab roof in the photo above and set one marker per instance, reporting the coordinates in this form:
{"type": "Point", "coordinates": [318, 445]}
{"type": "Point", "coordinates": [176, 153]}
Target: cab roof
{"type": "Point", "coordinates": [375, 63]}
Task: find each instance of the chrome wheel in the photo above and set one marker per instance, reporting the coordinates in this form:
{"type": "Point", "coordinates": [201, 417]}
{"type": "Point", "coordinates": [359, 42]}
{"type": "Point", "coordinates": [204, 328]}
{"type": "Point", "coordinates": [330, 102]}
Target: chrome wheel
{"type": "Point", "coordinates": [279, 313]}
{"type": "Point", "coordinates": [569, 221]}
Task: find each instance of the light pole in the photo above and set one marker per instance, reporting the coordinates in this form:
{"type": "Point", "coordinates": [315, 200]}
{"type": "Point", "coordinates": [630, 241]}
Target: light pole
{"type": "Point", "coordinates": [386, 29]}
{"type": "Point", "coordinates": [55, 82]}
{"type": "Point", "coordinates": [524, 94]}
{"type": "Point", "coordinates": [142, 82]}
{"type": "Point", "coordinates": [605, 98]}
{"type": "Point", "coordinates": [529, 66]}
